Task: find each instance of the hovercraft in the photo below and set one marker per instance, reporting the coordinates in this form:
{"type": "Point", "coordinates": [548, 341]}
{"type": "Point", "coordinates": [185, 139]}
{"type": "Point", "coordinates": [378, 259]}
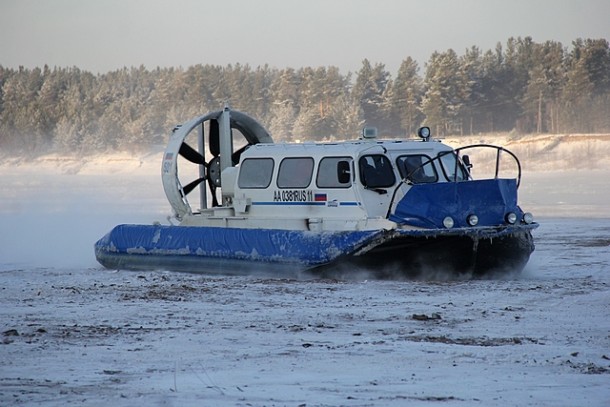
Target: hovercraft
{"type": "Point", "coordinates": [395, 208]}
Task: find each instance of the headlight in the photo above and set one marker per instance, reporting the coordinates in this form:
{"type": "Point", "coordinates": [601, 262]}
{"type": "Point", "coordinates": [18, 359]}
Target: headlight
{"type": "Point", "coordinates": [472, 220]}
{"type": "Point", "coordinates": [424, 133]}
{"type": "Point", "coordinates": [448, 222]}
{"type": "Point", "coordinates": [528, 218]}
{"type": "Point", "coordinates": [511, 218]}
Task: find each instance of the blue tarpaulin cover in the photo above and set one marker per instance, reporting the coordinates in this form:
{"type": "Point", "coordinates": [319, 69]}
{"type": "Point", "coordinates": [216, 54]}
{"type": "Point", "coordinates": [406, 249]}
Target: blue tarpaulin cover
{"type": "Point", "coordinates": [426, 205]}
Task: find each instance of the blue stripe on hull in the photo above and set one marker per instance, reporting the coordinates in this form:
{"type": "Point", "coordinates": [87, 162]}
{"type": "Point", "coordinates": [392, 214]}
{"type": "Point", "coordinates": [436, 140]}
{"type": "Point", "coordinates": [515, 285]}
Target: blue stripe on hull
{"type": "Point", "coordinates": [306, 203]}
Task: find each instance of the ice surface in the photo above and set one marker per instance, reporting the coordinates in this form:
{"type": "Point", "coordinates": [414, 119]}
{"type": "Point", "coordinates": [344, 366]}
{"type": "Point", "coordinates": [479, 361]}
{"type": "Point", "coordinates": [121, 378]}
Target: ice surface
{"type": "Point", "coordinates": [74, 333]}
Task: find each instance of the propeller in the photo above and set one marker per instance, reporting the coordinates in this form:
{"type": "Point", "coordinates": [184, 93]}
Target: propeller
{"type": "Point", "coordinates": [212, 168]}
{"type": "Point", "coordinates": [213, 142]}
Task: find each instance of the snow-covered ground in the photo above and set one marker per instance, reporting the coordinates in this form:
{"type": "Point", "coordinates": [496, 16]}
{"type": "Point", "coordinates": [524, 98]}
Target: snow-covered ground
{"type": "Point", "coordinates": [74, 333]}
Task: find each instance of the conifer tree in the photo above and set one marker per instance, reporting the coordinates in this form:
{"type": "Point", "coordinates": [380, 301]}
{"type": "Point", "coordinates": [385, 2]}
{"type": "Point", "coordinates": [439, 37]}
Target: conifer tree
{"type": "Point", "coordinates": [368, 91]}
{"type": "Point", "coordinates": [406, 97]}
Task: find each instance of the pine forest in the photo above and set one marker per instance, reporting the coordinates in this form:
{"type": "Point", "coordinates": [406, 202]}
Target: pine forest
{"type": "Point", "coordinates": [522, 87]}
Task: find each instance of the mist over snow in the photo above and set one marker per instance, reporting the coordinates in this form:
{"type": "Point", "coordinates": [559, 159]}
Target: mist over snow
{"type": "Point", "coordinates": [60, 205]}
{"type": "Point", "coordinates": [56, 207]}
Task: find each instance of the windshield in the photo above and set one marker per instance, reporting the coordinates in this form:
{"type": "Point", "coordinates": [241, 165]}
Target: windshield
{"type": "Point", "coordinates": [410, 166]}
{"type": "Point", "coordinates": [454, 170]}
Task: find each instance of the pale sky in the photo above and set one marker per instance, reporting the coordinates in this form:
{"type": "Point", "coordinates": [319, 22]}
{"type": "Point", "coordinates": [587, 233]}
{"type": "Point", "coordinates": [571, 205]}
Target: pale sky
{"type": "Point", "coordinates": [104, 35]}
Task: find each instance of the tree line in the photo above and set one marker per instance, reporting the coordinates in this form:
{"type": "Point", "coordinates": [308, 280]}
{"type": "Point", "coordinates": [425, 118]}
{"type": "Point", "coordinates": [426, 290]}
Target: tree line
{"type": "Point", "coordinates": [522, 86]}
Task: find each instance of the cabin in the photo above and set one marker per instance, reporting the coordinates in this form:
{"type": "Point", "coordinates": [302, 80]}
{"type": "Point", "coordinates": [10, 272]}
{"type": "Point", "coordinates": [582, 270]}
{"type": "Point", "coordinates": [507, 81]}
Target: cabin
{"type": "Point", "coordinates": [347, 185]}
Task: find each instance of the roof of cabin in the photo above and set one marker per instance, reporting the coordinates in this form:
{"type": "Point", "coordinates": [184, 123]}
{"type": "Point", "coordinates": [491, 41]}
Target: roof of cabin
{"type": "Point", "coordinates": [341, 148]}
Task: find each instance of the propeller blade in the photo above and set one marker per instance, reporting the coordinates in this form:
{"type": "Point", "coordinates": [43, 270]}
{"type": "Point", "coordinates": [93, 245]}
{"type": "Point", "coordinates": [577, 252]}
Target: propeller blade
{"type": "Point", "coordinates": [213, 190]}
{"type": "Point", "coordinates": [191, 154]}
{"type": "Point", "coordinates": [214, 140]}
{"type": "Point", "coordinates": [237, 154]}
{"type": "Point", "coordinates": [187, 189]}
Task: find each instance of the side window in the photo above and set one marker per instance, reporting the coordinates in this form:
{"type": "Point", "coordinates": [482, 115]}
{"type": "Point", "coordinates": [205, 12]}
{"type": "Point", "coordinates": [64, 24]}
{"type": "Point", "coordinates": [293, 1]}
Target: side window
{"type": "Point", "coordinates": [295, 172]}
{"type": "Point", "coordinates": [255, 173]}
{"type": "Point", "coordinates": [448, 162]}
{"type": "Point", "coordinates": [376, 171]}
{"type": "Point", "coordinates": [410, 166]}
{"type": "Point", "coordinates": [334, 172]}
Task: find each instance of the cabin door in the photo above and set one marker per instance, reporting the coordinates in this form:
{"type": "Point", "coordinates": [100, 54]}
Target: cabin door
{"type": "Point", "coordinates": [377, 180]}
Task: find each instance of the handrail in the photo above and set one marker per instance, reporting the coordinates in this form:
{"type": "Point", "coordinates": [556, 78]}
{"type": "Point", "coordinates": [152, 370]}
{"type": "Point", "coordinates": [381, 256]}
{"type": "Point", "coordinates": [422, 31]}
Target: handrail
{"type": "Point", "coordinates": [498, 156]}
{"type": "Point", "coordinates": [457, 152]}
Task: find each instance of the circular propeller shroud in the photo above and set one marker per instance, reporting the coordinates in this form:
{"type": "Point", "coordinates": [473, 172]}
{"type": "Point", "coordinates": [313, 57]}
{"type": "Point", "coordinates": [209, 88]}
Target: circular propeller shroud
{"type": "Point", "coordinates": [219, 145]}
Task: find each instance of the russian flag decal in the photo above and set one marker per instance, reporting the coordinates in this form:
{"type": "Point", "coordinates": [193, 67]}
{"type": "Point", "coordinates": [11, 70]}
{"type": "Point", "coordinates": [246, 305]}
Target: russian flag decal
{"type": "Point", "coordinates": [320, 197]}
